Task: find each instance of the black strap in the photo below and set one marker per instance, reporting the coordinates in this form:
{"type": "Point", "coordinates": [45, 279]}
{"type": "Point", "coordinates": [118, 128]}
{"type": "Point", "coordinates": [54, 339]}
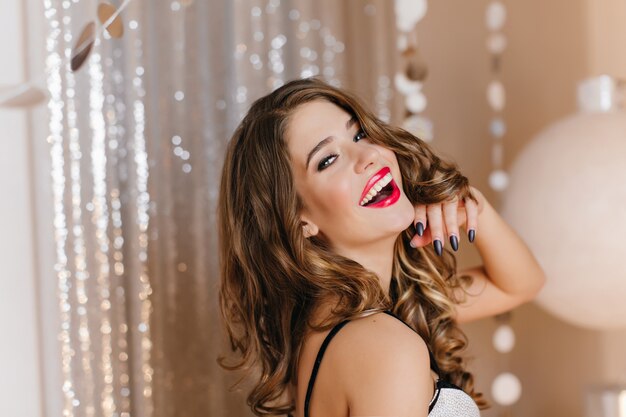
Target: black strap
{"type": "Point", "coordinates": [316, 366]}
{"type": "Point", "coordinates": [320, 354]}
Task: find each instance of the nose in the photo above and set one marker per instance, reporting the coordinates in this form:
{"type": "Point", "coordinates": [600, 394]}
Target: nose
{"type": "Point", "coordinates": [366, 155]}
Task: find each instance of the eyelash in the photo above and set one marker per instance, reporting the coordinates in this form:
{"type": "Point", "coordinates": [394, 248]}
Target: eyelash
{"type": "Point", "coordinates": [359, 135]}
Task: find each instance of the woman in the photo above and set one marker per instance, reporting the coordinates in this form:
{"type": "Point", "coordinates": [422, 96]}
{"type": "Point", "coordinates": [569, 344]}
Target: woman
{"type": "Point", "coordinates": [333, 220]}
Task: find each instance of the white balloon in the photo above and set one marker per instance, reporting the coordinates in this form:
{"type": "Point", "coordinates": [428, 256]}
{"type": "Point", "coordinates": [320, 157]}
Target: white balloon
{"type": "Point", "coordinates": [416, 102]}
{"type": "Point", "coordinates": [496, 15]}
{"type": "Point", "coordinates": [566, 199]}
{"type": "Point", "coordinates": [504, 338]}
{"type": "Point", "coordinates": [496, 95]}
{"type": "Point", "coordinates": [506, 389]}
{"type": "Point", "coordinates": [409, 12]}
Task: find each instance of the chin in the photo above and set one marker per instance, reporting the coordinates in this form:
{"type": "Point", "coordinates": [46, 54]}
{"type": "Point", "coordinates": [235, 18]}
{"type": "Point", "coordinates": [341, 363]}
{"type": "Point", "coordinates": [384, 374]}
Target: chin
{"type": "Point", "coordinates": [408, 211]}
{"type": "Point", "coordinates": [402, 218]}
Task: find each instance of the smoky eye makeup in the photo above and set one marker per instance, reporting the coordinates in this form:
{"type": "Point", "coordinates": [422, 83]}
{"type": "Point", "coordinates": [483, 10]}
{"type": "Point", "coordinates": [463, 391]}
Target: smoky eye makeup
{"type": "Point", "coordinates": [327, 160]}
{"type": "Point", "coordinates": [360, 134]}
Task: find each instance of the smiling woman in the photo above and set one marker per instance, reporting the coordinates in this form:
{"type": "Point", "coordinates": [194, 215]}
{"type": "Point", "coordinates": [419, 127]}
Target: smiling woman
{"type": "Point", "coordinates": [345, 169]}
{"type": "Point", "coordinates": [318, 206]}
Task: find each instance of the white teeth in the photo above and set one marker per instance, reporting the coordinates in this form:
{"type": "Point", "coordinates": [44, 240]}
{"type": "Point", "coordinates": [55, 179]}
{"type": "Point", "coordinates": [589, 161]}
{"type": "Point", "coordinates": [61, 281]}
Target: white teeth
{"type": "Point", "coordinates": [376, 188]}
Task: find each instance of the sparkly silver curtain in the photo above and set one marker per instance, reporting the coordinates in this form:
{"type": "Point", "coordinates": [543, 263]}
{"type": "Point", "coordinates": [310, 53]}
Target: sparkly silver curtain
{"type": "Point", "coordinates": [136, 140]}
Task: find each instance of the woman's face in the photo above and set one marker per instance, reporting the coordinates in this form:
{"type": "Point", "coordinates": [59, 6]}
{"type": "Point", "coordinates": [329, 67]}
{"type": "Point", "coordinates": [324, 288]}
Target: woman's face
{"type": "Point", "coordinates": [334, 166]}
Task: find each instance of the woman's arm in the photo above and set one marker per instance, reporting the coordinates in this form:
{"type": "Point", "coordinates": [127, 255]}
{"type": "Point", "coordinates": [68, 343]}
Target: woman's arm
{"type": "Point", "coordinates": [510, 274]}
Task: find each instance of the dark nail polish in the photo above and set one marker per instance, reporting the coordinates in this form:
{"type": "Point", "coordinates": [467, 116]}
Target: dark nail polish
{"type": "Point", "coordinates": [438, 247]}
{"type": "Point", "coordinates": [454, 242]}
{"type": "Point", "coordinates": [420, 228]}
{"type": "Point", "coordinates": [472, 235]}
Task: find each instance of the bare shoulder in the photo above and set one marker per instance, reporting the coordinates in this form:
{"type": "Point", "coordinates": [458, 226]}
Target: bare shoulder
{"type": "Point", "coordinates": [383, 367]}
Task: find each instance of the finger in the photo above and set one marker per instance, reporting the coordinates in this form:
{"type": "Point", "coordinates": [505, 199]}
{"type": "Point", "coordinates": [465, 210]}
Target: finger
{"type": "Point", "coordinates": [435, 224]}
{"type": "Point", "coordinates": [420, 241]}
{"type": "Point", "coordinates": [420, 217]}
{"type": "Point", "coordinates": [450, 218]}
{"type": "Point", "coordinates": [471, 208]}
{"type": "Point", "coordinates": [460, 214]}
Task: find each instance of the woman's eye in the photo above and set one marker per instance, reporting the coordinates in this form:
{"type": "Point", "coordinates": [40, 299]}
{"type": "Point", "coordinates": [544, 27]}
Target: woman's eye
{"type": "Point", "coordinates": [360, 135]}
{"type": "Point", "coordinates": [326, 162]}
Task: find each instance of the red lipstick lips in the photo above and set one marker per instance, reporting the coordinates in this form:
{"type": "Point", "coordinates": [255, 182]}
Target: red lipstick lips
{"type": "Point", "coordinates": [393, 197]}
{"type": "Point", "coordinates": [375, 178]}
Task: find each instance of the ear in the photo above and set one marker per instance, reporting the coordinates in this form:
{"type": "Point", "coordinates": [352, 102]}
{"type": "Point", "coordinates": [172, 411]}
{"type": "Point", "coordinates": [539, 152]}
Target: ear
{"type": "Point", "coordinates": [309, 228]}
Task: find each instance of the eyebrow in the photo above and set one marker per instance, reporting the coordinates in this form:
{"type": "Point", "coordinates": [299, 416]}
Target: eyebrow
{"type": "Point", "coordinates": [326, 141]}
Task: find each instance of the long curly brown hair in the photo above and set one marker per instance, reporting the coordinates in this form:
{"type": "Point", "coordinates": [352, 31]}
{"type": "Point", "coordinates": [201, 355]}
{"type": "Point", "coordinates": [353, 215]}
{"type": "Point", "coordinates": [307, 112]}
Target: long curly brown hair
{"type": "Point", "coordinates": [272, 276]}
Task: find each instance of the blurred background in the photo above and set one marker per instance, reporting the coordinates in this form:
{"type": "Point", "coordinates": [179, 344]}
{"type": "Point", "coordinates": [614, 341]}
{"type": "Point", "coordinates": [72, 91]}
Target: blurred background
{"type": "Point", "coordinates": [114, 118]}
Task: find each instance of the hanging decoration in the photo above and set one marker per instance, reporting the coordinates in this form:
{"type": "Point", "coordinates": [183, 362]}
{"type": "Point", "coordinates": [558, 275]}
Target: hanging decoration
{"type": "Point", "coordinates": [31, 93]}
{"type": "Point", "coordinates": [83, 46]}
{"type": "Point", "coordinates": [112, 25]}
{"type": "Point", "coordinates": [24, 95]}
{"type": "Point", "coordinates": [506, 388]}
{"type": "Point", "coordinates": [496, 96]}
{"type": "Point", "coordinates": [409, 80]}
{"type": "Point", "coordinates": [110, 20]}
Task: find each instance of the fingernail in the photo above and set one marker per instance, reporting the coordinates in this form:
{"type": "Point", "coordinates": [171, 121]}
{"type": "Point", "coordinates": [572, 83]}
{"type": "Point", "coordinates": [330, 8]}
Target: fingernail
{"type": "Point", "coordinates": [438, 247]}
{"type": "Point", "coordinates": [471, 235]}
{"type": "Point", "coordinates": [420, 228]}
{"type": "Point", "coordinates": [454, 242]}
{"type": "Point", "coordinates": [412, 244]}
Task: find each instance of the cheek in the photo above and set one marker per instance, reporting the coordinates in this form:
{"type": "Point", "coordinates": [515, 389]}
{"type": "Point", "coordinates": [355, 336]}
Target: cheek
{"type": "Point", "coordinates": [334, 194]}
{"type": "Point", "coordinates": [332, 198]}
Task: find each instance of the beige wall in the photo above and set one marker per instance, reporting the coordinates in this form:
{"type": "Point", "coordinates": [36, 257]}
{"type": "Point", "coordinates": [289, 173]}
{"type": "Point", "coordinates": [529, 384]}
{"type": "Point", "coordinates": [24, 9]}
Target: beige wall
{"type": "Point", "coordinates": [20, 371]}
{"type": "Point", "coordinates": [552, 45]}
{"type": "Point", "coordinates": [606, 37]}
{"type": "Point", "coordinates": [30, 368]}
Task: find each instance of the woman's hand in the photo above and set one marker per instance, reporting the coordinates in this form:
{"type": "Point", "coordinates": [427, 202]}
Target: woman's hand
{"type": "Point", "coordinates": [442, 220]}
